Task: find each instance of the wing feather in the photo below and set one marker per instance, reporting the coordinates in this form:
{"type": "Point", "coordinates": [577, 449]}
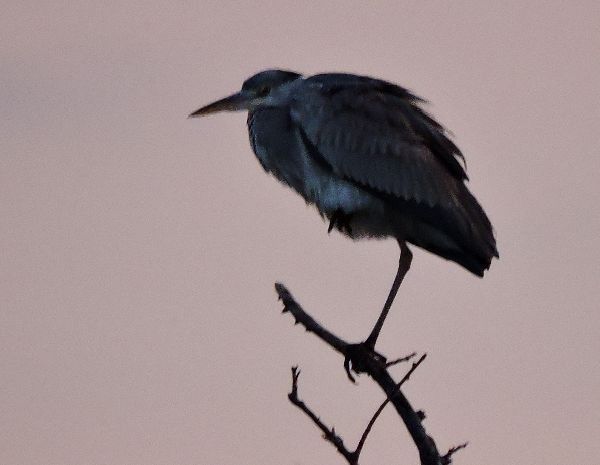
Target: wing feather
{"type": "Point", "coordinates": [375, 134]}
{"type": "Point", "coordinates": [380, 140]}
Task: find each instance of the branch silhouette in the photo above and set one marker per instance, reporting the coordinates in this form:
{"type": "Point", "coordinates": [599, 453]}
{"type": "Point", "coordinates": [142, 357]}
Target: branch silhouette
{"type": "Point", "coordinates": [359, 359]}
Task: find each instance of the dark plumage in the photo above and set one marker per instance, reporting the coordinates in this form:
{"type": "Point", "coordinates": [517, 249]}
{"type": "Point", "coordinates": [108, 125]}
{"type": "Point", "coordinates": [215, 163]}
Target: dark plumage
{"type": "Point", "coordinates": [370, 158]}
{"type": "Point", "coordinates": [375, 135]}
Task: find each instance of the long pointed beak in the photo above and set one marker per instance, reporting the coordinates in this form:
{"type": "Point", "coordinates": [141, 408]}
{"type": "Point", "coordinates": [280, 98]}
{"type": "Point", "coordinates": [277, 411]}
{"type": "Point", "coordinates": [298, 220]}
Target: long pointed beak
{"type": "Point", "coordinates": [238, 101]}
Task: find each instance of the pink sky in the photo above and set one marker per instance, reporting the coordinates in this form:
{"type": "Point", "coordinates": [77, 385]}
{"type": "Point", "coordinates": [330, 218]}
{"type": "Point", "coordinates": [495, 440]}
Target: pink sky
{"type": "Point", "coordinates": [138, 321]}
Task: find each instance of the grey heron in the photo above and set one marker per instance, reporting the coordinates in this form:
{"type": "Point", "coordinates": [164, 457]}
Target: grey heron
{"type": "Point", "coordinates": [371, 159]}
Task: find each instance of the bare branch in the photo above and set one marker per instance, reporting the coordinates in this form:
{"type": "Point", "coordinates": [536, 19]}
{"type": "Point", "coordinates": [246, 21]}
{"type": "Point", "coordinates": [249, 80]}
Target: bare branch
{"type": "Point", "coordinates": [363, 438]}
{"type": "Point", "coordinates": [447, 459]}
{"type": "Point", "coordinates": [406, 377]}
{"type": "Point", "coordinates": [401, 360]}
{"type": "Point", "coordinates": [414, 366]}
{"type": "Point", "coordinates": [328, 434]}
{"type": "Point", "coordinates": [374, 365]}
{"type": "Point", "coordinates": [311, 325]}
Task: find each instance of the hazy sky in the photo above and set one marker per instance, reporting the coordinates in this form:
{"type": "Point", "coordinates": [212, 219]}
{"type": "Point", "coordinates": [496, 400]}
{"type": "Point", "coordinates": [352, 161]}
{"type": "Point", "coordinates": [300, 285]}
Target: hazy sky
{"type": "Point", "coordinates": [138, 321]}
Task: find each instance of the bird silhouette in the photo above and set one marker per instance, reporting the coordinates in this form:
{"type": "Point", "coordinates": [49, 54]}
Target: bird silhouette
{"type": "Point", "coordinates": [371, 159]}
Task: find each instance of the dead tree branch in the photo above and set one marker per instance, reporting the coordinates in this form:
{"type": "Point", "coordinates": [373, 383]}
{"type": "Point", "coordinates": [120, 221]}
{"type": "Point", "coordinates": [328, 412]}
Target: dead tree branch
{"type": "Point", "coordinates": [376, 366]}
{"type": "Point", "coordinates": [406, 377]}
{"type": "Point", "coordinates": [329, 434]}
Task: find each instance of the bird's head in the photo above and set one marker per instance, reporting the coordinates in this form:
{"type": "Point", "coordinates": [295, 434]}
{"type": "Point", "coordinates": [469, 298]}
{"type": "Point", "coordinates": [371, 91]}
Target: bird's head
{"type": "Point", "coordinates": [256, 90]}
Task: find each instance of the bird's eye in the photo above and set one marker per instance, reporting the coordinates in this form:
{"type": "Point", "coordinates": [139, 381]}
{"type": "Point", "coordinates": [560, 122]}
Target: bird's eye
{"type": "Point", "coordinates": [262, 91]}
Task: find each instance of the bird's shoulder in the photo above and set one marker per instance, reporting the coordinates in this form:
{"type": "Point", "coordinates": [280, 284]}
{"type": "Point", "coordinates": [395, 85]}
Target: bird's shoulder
{"type": "Point", "coordinates": [389, 115]}
{"type": "Point", "coordinates": [332, 83]}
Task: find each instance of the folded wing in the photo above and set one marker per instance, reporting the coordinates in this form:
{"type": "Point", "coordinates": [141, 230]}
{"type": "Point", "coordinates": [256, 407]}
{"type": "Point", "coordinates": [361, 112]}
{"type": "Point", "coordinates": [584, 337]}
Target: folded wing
{"type": "Point", "coordinates": [376, 135]}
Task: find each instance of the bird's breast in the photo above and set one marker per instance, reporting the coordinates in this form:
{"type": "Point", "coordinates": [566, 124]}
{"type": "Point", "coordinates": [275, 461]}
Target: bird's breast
{"type": "Point", "coordinates": [274, 140]}
{"type": "Point", "coordinates": [280, 149]}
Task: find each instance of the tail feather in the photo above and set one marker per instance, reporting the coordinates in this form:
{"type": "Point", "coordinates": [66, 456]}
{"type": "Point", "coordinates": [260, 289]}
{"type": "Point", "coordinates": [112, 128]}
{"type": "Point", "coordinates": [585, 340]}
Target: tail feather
{"type": "Point", "coordinates": [461, 233]}
{"type": "Point", "coordinates": [478, 235]}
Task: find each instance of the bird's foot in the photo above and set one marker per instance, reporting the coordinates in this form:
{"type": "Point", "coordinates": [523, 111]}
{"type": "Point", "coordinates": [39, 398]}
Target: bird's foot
{"type": "Point", "coordinates": [340, 220]}
{"type": "Point", "coordinates": [362, 358]}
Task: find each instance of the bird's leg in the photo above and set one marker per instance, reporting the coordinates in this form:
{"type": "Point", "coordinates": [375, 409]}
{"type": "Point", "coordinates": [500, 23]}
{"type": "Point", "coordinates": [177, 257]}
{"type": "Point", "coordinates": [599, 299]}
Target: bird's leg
{"type": "Point", "coordinates": [359, 356]}
{"type": "Point", "coordinates": [403, 267]}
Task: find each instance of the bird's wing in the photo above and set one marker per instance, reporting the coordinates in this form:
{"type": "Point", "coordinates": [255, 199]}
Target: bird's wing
{"type": "Point", "coordinates": [375, 134]}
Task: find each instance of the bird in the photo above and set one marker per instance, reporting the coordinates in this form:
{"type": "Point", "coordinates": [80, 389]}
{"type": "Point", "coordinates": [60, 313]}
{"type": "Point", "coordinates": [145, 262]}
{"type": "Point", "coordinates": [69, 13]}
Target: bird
{"type": "Point", "coordinates": [372, 160]}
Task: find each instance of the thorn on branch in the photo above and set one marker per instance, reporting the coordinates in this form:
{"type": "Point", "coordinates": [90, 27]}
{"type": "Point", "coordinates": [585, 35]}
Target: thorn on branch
{"type": "Point", "coordinates": [304, 319]}
{"type": "Point", "coordinates": [284, 295]}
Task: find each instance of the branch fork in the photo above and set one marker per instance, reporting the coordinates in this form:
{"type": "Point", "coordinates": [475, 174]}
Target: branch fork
{"type": "Point", "coordinates": [362, 359]}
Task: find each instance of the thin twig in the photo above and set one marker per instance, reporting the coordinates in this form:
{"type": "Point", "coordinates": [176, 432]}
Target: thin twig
{"type": "Point", "coordinates": [408, 374]}
{"type": "Point", "coordinates": [377, 370]}
{"type": "Point", "coordinates": [363, 438]}
{"type": "Point", "coordinates": [310, 324]}
{"type": "Point", "coordinates": [447, 459]}
{"type": "Point", "coordinates": [401, 360]}
{"type": "Point", "coordinates": [406, 377]}
{"type": "Point", "coordinates": [328, 434]}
